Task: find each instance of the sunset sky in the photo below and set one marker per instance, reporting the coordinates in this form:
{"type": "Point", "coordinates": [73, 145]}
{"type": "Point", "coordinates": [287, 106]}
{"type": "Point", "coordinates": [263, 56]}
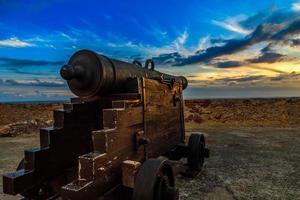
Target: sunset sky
{"type": "Point", "coordinates": [226, 49]}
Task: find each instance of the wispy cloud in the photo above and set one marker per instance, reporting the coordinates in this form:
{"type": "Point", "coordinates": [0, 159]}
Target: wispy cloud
{"type": "Point", "coordinates": [132, 48]}
{"type": "Point", "coordinates": [233, 24]}
{"type": "Point", "coordinates": [296, 6]}
{"type": "Point", "coordinates": [14, 42]}
{"type": "Point", "coordinates": [68, 37]}
{"type": "Point", "coordinates": [181, 40]}
{"type": "Point", "coordinates": [204, 43]}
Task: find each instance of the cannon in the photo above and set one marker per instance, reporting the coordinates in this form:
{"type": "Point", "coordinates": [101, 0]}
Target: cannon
{"type": "Point", "coordinates": [122, 137]}
{"type": "Point", "coordinates": [89, 74]}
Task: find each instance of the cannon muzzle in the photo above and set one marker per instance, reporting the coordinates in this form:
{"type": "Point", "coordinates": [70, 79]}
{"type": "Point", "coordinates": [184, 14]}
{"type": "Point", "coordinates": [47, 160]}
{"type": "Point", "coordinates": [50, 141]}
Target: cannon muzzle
{"type": "Point", "coordinates": [69, 72]}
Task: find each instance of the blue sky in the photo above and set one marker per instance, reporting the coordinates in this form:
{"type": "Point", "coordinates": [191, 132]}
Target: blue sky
{"type": "Point", "coordinates": [225, 48]}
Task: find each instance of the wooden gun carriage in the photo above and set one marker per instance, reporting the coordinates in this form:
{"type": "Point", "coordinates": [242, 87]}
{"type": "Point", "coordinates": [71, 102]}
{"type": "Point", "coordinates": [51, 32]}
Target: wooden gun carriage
{"type": "Point", "coordinates": [122, 138]}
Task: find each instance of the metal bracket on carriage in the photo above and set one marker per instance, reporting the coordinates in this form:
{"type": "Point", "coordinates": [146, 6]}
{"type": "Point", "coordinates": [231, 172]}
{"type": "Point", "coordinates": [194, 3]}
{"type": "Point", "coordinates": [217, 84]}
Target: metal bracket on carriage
{"type": "Point", "coordinates": [140, 140]}
{"type": "Point", "coordinates": [176, 98]}
{"type": "Point", "coordinates": [168, 81]}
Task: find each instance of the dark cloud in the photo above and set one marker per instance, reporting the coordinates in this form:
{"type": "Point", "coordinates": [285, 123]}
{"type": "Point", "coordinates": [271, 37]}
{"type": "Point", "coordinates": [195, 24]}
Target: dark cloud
{"type": "Point", "coordinates": [289, 29]}
{"type": "Point", "coordinates": [35, 82]}
{"type": "Point", "coordinates": [24, 62]}
{"type": "Point", "coordinates": [243, 79]}
{"type": "Point", "coordinates": [269, 16]}
{"type": "Point", "coordinates": [269, 57]}
{"type": "Point", "coordinates": [228, 64]}
{"type": "Point", "coordinates": [295, 42]}
{"type": "Point", "coordinates": [282, 77]}
{"type": "Point", "coordinates": [169, 58]}
{"type": "Point", "coordinates": [232, 46]}
{"type": "Point", "coordinates": [246, 81]}
{"type": "Point", "coordinates": [268, 48]}
{"type": "Point", "coordinates": [278, 78]}
{"type": "Point", "coordinates": [259, 78]}
{"type": "Point", "coordinates": [19, 71]}
{"type": "Point", "coordinates": [233, 81]}
{"type": "Point", "coordinates": [273, 27]}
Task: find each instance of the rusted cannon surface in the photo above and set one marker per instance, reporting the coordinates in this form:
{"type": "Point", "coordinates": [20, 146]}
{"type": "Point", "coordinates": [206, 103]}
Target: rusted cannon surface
{"type": "Point", "coordinates": [122, 138]}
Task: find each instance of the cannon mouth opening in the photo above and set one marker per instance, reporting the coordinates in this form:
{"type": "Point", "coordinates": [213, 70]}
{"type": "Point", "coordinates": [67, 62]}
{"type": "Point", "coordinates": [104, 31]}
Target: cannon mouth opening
{"type": "Point", "coordinates": [83, 73]}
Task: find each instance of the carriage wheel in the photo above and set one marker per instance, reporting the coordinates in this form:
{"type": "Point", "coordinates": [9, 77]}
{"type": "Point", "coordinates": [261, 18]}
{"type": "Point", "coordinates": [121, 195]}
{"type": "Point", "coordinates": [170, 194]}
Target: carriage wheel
{"type": "Point", "coordinates": [196, 152]}
{"type": "Point", "coordinates": [155, 181]}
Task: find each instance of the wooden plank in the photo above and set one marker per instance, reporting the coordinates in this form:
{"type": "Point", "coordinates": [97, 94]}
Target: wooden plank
{"type": "Point", "coordinates": [99, 140]}
{"type": "Point", "coordinates": [118, 117]}
{"type": "Point", "coordinates": [129, 171]}
{"type": "Point", "coordinates": [162, 118]}
{"type": "Point", "coordinates": [114, 140]}
{"type": "Point", "coordinates": [104, 166]}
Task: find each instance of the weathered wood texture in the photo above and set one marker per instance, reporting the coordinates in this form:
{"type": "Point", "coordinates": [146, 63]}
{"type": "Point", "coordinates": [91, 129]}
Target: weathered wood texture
{"type": "Point", "coordinates": [129, 171]}
{"type": "Point", "coordinates": [60, 146]}
{"type": "Point", "coordinates": [155, 113]}
{"type": "Point", "coordinates": [163, 119]}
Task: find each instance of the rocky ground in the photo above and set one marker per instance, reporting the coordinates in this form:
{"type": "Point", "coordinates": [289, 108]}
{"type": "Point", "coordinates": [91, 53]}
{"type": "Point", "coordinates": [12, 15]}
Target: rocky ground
{"type": "Point", "coordinates": [281, 112]}
{"type": "Point", "coordinates": [235, 113]}
{"type": "Point", "coordinates": [255, 151]}
{"type": "Point", "coordinates": [18, 119]}
{"type": "Point", "coordinates": [248, 163]}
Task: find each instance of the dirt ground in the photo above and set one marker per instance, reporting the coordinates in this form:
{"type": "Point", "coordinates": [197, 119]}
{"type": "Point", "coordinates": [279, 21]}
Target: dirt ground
{"type": "Point", "coordinates": [11, 152]}
{"type": "Point", "coordinates": [254, 163]}
{"type": "Point", "coordinates": [248, 163]}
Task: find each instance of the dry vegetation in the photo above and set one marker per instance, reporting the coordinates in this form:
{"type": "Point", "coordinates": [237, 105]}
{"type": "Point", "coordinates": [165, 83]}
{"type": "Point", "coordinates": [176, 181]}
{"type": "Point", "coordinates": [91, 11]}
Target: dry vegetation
{"type": "Point", "coordinates": [25, 118]}
{"type": "Point", "coordinates": [239, 113]}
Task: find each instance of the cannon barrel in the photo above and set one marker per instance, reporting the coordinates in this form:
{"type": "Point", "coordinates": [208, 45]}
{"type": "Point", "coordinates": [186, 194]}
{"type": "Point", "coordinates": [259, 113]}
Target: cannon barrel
{"type": "Point", "coordinates": [90, 74]}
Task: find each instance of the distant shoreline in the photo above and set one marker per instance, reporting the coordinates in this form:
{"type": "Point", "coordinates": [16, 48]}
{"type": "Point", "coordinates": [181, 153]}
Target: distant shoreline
{"type": "Point", "coordinates": [189, 99]}
{"type": "Point", "coordinates": [240, 98]}
{"type": "Point", "coordinates": [34, 102]}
